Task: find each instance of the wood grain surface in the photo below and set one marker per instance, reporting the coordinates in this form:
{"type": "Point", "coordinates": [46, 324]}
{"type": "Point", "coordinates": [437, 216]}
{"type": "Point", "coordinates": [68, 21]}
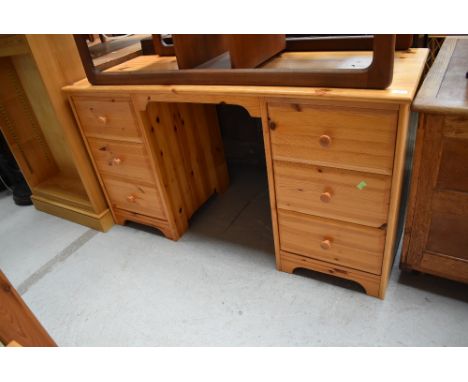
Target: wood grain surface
{"type": "Point", "coordinates": [17, 322]}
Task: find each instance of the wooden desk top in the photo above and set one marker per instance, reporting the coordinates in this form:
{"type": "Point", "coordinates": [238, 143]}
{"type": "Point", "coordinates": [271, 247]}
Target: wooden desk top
{"type": "Point", "coordinates": [408, 69]}
{"type": "Point", "coordinates": [445, 89]}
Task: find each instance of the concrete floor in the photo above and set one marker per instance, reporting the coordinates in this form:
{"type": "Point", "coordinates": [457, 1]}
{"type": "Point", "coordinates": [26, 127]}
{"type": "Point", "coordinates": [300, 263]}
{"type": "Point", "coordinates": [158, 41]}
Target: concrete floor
{"type": "Point", "coordinates": [215, 286]}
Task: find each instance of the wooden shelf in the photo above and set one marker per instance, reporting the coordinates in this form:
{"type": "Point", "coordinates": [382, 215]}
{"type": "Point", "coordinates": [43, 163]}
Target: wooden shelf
{"type": "Point", "coordinates": [65, 190]}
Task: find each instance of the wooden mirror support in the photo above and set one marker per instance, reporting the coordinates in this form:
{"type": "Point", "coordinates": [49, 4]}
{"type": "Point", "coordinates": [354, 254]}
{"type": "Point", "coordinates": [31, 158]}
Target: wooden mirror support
{"type": "Point", "coordinates": [378, 75]}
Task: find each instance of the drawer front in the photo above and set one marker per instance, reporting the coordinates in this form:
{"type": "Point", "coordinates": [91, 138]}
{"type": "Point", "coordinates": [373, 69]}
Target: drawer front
{"type": "Point", "coordinates": [350, 196]}
{"type": "Point", "coordinates": [134, 197]}
{"type": "Point", "coordinates": [129, 160]}
{"type": "Point", "coordinates": [345, 137]}
{"type": "Point", "coordinates": [335, 242]}
{"type": "Point", "coordinates": [107, 118]}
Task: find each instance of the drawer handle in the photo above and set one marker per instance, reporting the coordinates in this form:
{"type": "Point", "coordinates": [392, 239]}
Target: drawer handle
{"type": "Point", "coordinates": [325, 140]}
{"type": "Point", "coordinates": [131, 198]}
{"type": "Point", "coordinates": [326, 197]}
{"type": "Point", "coordinates": [326, 244]}
{"type": "Point", "coordinates": [116, 161]}
{"type": "Point", "coordinates": [102, 119]}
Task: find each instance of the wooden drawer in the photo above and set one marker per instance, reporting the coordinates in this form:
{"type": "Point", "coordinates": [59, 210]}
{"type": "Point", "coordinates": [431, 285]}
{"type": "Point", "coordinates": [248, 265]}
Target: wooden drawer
{"type": "Point", "coordinates": [134, 197]}
{"type": "Point", "coordinates": [129, 160]}
{"type": "Point", "coordinates": [350, 196]}
{"type": "Point", "coordinates": [346, 137]}
{"type": "Point", "coordinates": [335, 242]}
{"type": "Point", "coordinates": [107, 118]}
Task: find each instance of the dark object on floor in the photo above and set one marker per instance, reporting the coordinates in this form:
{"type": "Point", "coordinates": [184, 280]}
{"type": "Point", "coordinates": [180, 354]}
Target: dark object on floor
{"type": "Point", "coordinates": [12, 177]}
{"type": "Point", "coordinates": [437, 222]}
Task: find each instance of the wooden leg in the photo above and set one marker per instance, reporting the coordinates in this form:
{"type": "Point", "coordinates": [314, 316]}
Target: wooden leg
{"type": "Point", "coordinates": [172, 233]}
{"type": "Point", "coordinates": [370, 283]}
{"type": "Point", "coordinates": [287, 266]}
{"type": "Point", "coordinates": [216, 148]}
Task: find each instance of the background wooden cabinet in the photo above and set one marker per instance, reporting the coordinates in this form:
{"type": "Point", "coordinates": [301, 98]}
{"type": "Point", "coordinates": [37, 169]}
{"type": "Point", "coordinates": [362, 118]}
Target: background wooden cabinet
{"type": "Point", "coordinates": [437, 224]}
{"type": "Point", "coordinates": [436, 232]}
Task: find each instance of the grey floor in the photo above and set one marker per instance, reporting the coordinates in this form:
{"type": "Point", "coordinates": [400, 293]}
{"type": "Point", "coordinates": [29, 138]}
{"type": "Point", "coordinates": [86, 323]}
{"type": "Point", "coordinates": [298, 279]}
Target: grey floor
{"type": "Point", "coordinates": [215, 286]}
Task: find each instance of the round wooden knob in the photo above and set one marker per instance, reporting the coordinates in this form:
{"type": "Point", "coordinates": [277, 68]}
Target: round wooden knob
{"type": "Point", "coordinates": [325, 140]}
{"type": "Point", "coordinates": [131, 198]}
{"type": "Point", "coordinates": [326, 244]}
{"type": "Point", "coordinates": [325, 197]}
{"type": "Point", "coordinates": [116, 161]}
{"type": "Point", "coordinates": [102, 119]}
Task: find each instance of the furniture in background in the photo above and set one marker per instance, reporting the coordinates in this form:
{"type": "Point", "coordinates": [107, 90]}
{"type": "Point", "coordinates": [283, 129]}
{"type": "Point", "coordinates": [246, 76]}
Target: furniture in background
{"type": "Point", "coordinates": [436, 232]}
{"type": "Point", "coordinates": [335, 157]}
{"type": "Point", "coordinates": [39, 127]}
{"type": "Point", "coordinates": [18, 325]}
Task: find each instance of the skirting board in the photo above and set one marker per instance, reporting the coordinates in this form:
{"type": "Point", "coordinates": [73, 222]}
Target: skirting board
{"type": "Point", "coordinates": [101, 222]}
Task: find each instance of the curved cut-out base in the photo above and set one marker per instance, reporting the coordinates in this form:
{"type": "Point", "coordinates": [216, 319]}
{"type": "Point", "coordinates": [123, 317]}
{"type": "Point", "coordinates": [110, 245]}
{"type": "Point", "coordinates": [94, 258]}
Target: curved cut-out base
{"type": "Point", "coordinates": [370, 283]}
{"type": "Point", "coordinates": [123, 216]}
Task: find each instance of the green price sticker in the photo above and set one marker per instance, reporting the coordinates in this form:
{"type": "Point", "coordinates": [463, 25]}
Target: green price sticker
{"type": "Point", "coordinates": [361, 185]}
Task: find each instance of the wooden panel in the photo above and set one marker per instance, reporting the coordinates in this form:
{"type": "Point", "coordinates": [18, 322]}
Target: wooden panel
{"type": "Point", "coordinates": [107, 118]}
{"type": "Point", "coordinates": [448, 234]}
{"type": "Point", "coordinates": [391, 240]}
{"type": "Point", "coordinates": [352, 138]}
{"type": "Point", "coordinates": [21, 129]}
{"type": "Point", "coordinates": [453, 169]}
{"type": "Point", "coordinates": [187, 141]}
{"type": "Point", "coordinates": [444, 266]}
{"type": "Point", "coordinates": [428, 150]}
{"type": "Point", "coordinates": [129, 160]}
{"type": "Point", "coordinates": [133, 197]}
{"type": "Point", "coordinates": [455, 126]}
{"type": "Point", "coordinates": [250, 50]}
{"type": "Point", "coordinates": [336, 242]}
{"type": "Point", "coordinates": [333, 193]}
{"type": "Point", "coordinates": [371, 283]}
{"type": "Point", "coordinates": [44, 112]}
{"type": "Point", "coordinates": [193, 50]}
{"type": "Point", "coordinates": [271, 183]}
{"type": "Point", "coordinates": [17, 322]}
{"type": "Point", "coordinates": [407, 255]}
